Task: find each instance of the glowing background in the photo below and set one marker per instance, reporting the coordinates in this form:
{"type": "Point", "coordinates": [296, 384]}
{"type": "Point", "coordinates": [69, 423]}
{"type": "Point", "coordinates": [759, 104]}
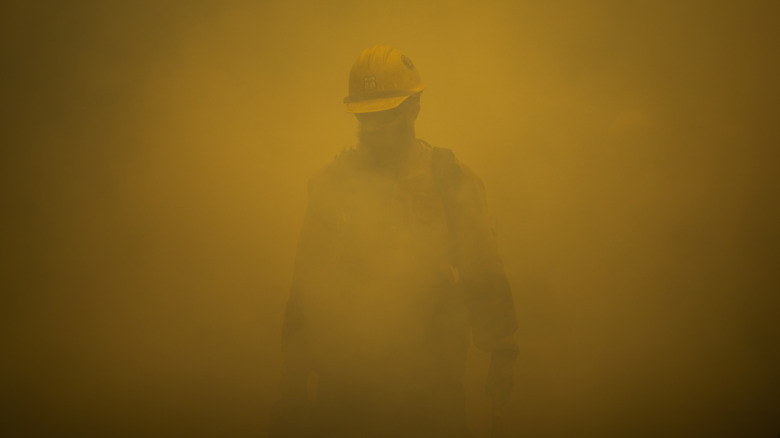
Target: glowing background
{"type": "Point", "coordinates": [155, 165]}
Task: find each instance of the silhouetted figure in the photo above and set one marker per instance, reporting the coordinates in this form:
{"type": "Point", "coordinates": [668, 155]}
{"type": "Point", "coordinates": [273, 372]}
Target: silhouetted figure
{"type": "Point", "coordinates": [396, 268]}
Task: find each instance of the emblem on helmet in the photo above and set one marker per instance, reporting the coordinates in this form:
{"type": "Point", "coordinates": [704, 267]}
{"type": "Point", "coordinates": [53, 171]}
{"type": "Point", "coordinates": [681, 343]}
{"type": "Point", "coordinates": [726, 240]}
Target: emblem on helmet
{"type": "Point", "coordinates": [407, 62]}
{"type": "Point", "coordinates": [369, 82]}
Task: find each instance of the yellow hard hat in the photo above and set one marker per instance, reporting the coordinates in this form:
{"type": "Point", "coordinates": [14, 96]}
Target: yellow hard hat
{"type": "Point", "coordinates": [381, 79]}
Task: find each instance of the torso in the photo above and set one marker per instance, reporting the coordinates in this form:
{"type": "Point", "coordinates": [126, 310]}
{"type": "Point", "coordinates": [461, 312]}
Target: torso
{"type": "Point", "coordinates": [389, 270]}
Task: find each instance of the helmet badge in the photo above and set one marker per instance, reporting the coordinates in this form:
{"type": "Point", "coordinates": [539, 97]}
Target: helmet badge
{"type": "Point", "coordinates": [407, 62]}
{"type": "Point", "coordinates": [369, 82]}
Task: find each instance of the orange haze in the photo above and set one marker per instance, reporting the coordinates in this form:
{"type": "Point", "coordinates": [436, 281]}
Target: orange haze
{"type": "Point", "coordinates": [156, 156]}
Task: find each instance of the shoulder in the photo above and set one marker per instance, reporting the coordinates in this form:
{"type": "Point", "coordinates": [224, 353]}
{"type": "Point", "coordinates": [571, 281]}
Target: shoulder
{"type": "Point", "coordinates": [447, 167]}
{"type": "Point", "coordinates": [334, 173]}
{"type": "Point", "coordinates": [470, 177]}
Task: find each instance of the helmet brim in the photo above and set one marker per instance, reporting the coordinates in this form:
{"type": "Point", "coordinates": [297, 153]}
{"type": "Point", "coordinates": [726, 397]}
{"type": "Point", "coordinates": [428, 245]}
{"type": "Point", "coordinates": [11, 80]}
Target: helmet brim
{"type": "Point", "coordinates": [374, 105]}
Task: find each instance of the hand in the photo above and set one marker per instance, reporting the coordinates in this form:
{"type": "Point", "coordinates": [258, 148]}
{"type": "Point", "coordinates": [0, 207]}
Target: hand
{"type": "Point", "coordinates": [293, 415]}
{"type": "Point", "coordinates": [292, 419]}
{"type": "Point", "coordinates": [500, 380]}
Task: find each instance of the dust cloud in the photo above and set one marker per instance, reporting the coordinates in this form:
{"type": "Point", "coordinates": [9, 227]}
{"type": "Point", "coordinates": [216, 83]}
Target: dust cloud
{"type": "Point", "coordinates": [156, 156]}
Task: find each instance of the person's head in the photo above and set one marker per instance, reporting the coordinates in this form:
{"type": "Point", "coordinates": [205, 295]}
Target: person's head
{"type": "Point", "coordinates": [384, 95]}
{"type": "Point", "coordinates": [389, 128]}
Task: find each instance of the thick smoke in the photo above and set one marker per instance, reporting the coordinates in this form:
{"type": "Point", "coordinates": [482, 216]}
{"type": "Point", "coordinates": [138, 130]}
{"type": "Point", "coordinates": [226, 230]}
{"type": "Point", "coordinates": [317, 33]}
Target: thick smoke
{"type": "Point", "coordinates": [155, 170]}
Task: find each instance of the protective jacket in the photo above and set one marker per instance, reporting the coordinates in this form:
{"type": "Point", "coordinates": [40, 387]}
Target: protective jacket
{"type": "Point", "coordinates": [392, 276]}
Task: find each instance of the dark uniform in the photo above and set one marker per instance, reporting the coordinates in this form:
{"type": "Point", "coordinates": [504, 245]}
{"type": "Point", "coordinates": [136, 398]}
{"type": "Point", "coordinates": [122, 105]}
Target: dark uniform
{"type": "Point", "coordinates": [392, 276]}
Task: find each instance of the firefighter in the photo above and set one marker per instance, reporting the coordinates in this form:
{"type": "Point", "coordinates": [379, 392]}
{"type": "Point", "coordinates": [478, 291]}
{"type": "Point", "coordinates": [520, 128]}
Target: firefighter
{"type": "Point", "coordinates": [396, 272]}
